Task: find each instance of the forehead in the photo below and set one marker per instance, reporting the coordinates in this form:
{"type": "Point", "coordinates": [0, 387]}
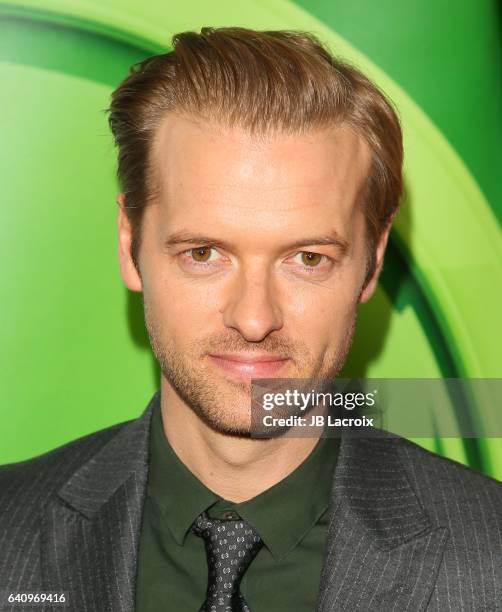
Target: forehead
{"type": "Point", "coordinates": [204, 167]}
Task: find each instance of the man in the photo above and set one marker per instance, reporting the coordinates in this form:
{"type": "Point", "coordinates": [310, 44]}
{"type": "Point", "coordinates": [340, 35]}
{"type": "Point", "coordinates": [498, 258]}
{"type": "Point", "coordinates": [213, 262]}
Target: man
{"type": "Point", "coordinates": [259, 177]}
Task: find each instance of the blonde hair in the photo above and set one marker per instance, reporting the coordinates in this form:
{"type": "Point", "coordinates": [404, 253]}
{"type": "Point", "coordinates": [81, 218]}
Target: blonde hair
{"type": "Point", "coordinates": [263, 81]}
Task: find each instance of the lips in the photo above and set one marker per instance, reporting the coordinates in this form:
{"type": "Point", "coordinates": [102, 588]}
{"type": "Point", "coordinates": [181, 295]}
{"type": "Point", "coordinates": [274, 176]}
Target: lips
{"type": "Point", "coordinates": [249, 366]}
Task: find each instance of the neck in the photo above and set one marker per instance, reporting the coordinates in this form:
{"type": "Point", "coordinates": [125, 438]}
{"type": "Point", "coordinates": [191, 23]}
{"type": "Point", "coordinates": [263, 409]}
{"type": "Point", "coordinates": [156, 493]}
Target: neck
{"type": "Point", "coordinates": [235, 468]}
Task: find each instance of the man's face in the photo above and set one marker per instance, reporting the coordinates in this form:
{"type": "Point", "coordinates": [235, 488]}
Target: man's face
{"type": "Point", "coordinates": [255, 250]}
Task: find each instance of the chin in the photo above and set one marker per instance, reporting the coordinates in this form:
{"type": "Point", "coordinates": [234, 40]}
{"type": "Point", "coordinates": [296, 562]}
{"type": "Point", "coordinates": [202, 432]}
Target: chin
{"type": "Point", "coordinates": [239, 430]}
{"type": "Point", "coordinates": [228, 423]}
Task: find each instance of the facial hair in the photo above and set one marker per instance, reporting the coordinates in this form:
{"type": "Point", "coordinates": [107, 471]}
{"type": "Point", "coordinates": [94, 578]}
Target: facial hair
{"type": "Point", "coordinates": [213, 400]}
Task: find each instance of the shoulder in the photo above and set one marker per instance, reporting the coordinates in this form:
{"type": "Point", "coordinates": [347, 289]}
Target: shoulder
{"type": "Point", "coordinates": [449, 489]}
{"type": "Point", "coordinates": [39, 477]}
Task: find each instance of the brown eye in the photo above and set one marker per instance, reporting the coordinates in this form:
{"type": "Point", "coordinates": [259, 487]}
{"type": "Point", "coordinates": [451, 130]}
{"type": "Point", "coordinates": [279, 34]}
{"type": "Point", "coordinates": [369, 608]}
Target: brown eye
{"type": "Point", "coordinates": [201, 253]}
{"type": "Point", "coordinates": [311, 259]}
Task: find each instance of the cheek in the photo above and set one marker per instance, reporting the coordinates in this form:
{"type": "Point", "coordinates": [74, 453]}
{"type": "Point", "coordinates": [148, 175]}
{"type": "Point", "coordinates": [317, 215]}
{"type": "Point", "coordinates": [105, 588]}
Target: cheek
{"type": "Point", "coordinates": [321, 316]}
{"type": "Point", "coordinates": [326, 303]}
{"type": "Point", "coordinates": [183, 309]}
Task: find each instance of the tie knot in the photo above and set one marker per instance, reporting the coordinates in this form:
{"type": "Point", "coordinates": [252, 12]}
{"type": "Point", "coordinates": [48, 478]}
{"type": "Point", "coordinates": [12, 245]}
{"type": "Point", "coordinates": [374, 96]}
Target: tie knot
{"type": "Point", "coordinates": [231, 545]}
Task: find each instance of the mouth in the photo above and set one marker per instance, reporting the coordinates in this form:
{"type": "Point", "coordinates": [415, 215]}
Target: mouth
{"type": "Point", "coordinates": [249, 366]}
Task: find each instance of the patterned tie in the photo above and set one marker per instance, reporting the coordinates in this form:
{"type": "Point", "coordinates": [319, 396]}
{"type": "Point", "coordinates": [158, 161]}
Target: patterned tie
{"type": "Point", "coordinates": [231, 545]}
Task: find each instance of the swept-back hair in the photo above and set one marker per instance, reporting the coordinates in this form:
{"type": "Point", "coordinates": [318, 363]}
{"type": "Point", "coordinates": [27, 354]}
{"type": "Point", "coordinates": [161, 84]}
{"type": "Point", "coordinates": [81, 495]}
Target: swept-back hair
{"type": "Point", "coordinates": [265, 82]}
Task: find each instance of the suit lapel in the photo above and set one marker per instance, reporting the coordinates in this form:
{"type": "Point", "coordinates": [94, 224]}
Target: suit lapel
{"type": "Point", "coordinates": [382, 551]}
{"type": "Point", "coordinates": [91, 530]}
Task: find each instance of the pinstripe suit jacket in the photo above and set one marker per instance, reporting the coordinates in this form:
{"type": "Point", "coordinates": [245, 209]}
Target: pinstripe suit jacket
{"type": "Point", "coordinates": [408, 529]}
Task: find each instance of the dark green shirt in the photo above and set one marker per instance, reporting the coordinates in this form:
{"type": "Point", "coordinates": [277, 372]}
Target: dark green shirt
{"type": "Point", "coordinates": [290, 518]}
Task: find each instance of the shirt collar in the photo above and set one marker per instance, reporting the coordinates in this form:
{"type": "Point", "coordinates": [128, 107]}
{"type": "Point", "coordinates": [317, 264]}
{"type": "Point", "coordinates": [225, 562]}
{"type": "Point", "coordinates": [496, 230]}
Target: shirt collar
{"type": "Point", "coordinates": [282, 514]}
{"type": "Point", "coordinates": [178, 493]}
{"type": "Point", "coordinates": [287, 511]}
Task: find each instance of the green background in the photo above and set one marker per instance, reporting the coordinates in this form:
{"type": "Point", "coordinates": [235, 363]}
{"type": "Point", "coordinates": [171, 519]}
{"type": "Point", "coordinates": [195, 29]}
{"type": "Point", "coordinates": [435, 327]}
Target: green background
{"type": "Point", "coordinates": [75, 356]}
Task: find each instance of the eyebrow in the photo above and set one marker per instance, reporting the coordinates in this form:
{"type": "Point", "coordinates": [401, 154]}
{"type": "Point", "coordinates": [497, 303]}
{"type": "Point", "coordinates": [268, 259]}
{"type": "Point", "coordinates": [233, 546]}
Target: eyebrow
{"type": "Point", "coordinates": [184, 237]}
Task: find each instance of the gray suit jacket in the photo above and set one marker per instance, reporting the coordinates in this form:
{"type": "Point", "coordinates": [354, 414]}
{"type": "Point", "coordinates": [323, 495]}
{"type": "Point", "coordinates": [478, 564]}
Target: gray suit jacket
{"type": "Point", "coordinates": [408, 530]}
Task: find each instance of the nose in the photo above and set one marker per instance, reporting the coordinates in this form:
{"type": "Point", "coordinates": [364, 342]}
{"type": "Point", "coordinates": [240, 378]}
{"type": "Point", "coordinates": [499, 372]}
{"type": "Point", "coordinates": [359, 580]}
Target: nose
{"type": "Point", "coordinates": [252, 305]}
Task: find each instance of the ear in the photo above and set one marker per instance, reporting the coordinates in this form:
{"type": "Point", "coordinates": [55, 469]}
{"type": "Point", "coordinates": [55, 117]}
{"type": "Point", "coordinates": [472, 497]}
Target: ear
{"type": "Point", "coordinates": [128, 271]}
{"type": "Point", "coordinates": [371, 284]}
